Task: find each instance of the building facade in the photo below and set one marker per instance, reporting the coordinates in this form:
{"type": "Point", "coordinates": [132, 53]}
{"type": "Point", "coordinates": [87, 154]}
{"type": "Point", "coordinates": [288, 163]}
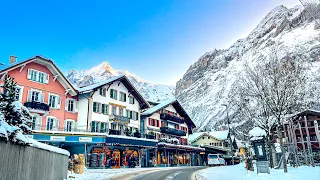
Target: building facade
{"type": "Point", "coordinates": [44, 90]}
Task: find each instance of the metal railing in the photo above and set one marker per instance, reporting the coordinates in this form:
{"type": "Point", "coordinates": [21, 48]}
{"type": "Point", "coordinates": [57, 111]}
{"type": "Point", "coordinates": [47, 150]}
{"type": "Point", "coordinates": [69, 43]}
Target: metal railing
{"type": "Point", "coordinates": [170, 117]}
{"type": "Point", "coordinates": [172, 131]}
{"type": "Point", "coordinates": [37, 105]}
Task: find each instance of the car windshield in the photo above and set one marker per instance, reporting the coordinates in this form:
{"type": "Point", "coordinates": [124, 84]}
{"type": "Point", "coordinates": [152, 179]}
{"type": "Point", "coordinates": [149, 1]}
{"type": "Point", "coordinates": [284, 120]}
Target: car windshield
{"type": "Point", "coordinates": [212, 156]}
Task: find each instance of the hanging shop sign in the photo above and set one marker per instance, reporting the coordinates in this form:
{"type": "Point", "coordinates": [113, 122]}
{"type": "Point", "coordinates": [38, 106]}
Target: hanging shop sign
{"type": "Point", "coordinates": [57, 138]}
{"type": "Point", "coordinates": [202, 153]}
{"type": "Point", "coordinates": [85, 139]}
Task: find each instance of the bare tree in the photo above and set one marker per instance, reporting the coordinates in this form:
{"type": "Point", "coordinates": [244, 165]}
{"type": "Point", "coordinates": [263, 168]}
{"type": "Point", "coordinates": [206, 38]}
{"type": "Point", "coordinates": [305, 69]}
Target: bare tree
{"type": "Point", "coordinates": [271, 88]}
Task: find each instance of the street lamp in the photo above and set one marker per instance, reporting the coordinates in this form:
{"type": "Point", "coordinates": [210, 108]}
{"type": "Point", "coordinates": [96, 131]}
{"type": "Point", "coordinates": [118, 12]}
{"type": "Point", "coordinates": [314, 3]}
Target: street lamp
{"type": "Point", "coordinates": [231, 147]}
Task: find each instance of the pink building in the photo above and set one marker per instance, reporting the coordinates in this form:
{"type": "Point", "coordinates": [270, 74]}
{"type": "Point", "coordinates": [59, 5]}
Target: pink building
{"type": "Point", "coordinates": [45, 91]}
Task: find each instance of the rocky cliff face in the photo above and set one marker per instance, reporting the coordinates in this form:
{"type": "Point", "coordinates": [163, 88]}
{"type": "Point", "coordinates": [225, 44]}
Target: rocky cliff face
{"type": "Point", "coordinates": [150, 91]}
{"type": "Point", "coordinates": [209, 84]}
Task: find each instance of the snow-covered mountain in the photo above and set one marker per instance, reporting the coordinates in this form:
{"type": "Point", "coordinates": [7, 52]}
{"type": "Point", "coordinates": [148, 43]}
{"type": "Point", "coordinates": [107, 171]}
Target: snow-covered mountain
{"type": "Point", "coordinates": [150, 91]}
{"type": "Point", "coordinates": [209, 84]}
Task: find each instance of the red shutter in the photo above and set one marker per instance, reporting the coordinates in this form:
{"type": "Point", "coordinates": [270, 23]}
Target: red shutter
{"type": "Point", "coordinates": [158, 121]}
{"type": "Point", "coordinates": [149, 122]}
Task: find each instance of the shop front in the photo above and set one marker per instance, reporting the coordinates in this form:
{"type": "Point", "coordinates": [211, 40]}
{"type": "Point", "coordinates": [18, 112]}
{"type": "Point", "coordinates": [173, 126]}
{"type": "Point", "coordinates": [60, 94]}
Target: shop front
{"type": "Point", "coordinates": [170, 155]}
{"type": "Point", "coordinates": [121, 151]}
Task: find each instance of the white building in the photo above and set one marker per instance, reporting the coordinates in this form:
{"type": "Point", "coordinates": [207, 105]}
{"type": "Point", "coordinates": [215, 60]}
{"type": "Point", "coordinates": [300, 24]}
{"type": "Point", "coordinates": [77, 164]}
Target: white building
{"type": "Point", "coordinates": [113, 105]}
{"type": "Point", "coordinates": [168, 121]}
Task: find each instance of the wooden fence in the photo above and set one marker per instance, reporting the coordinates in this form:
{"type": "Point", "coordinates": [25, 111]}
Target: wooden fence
{"type": "Point", "coordinates": [29, 163]}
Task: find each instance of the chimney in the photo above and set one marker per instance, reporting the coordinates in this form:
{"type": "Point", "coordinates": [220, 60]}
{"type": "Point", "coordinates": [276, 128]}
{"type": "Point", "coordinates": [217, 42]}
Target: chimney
{"type": "Point", "coordinates": [12, 59]}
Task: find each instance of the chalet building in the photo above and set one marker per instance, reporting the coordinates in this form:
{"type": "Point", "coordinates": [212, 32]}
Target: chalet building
{"type": "Point", "coordinates": [45, 91]}
{"type": "Point", "coordinates": [170, 125]}
{"type": "Point", "coordinates": [112, 105]}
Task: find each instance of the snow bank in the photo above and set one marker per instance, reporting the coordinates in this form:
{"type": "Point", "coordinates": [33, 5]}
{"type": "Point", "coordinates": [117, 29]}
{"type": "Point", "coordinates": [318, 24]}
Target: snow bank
{"type": "Point", "coordinates": [47, 147]}
{"type": "Point", "coordinates": [240, 173]}
{"type": "Point", "coordinates": [257, 132]}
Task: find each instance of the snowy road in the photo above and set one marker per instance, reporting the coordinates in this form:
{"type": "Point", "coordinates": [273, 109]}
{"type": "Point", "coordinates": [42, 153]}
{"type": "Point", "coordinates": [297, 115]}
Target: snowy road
{"type": "Point", "coordinates": [172, 174]}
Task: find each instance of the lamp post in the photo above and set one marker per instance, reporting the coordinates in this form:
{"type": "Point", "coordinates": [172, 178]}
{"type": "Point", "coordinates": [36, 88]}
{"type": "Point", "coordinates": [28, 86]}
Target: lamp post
{"type": "Point", "coordinates": [231, 147]}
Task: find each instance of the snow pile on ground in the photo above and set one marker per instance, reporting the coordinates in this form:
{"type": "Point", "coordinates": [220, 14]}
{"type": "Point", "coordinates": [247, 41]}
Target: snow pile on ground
{"type": "Point", "coordinates": [238, 172]}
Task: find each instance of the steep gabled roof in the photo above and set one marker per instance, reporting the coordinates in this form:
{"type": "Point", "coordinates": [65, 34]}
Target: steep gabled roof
{"type": "Point", "coordinates": [46, 62]}
{"type": "Point", "coordinates": [176, 105]}
{"type": "Point", "coordinates": [126, 82]}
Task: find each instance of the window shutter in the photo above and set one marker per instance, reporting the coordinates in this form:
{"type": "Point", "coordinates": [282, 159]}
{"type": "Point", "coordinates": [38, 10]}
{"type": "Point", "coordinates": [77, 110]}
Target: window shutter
{"type": "Point", "coordinates": [56, 124]}
{"type": "Point", "coordinates": [94, 107]}
{"type": "Point", "coordinates": [72, 125]}
{"type": "Point", "coordinates": [66, 105]}
{"type": "Point", "coordinates": [99, 108]}
{"type": "Point", "coordinates": [133, 100]}
{"type": "Point", "coordinates": [149, 121]}
{"type": "Point", "coordinates": [111, 93]}
{"type": "Point", "coordinates": [41, 97]}
{"type": "Point", "coordinates": [125, 97]}
{"type": "Point", "coordinates": [157, 123]}
{"type": "Point", "coordinates": [65, 125]}
{"type": "Point", "coordinates": [58, 102]}
{"type": "Point", "coordinates": [29, 73]}
{"type": "Point", "coordinates": [75, 106]}
{"type": "Point", "coordinates": [46, 79]}
{"type": "Point", "coordinates": [29, 96]}
{"type": "Point", "coordinates": [105, 92]}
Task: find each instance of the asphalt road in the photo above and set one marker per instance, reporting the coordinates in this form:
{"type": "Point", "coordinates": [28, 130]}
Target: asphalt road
{"type": "Point", "coordinates": [172, 174]}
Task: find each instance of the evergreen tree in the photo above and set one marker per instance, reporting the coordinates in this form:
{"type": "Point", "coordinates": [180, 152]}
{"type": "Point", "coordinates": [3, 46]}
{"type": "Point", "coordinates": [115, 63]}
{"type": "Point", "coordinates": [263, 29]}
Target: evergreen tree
{"type": "Point", "coordinates": [14, 113]}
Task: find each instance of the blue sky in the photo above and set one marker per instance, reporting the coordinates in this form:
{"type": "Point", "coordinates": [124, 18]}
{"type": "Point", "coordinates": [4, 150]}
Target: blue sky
{"type": "Point", "coordinates": [155, 39]}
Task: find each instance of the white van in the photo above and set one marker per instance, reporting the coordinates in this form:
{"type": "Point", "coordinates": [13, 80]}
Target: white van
{"type": "Point", "coordinates": [215, 159]}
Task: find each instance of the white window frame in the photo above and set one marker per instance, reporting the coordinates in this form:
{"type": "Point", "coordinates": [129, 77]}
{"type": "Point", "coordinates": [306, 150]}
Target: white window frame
{"type": "Point", "coordinates": [54, 128]}
{"type": "Point", "coordinates": [41, 95]}
{"type": "Point", "coordinates": [75, 105]}
{"type": "Point", "coordinates": [72, 125]}
{"type": "Point", "coordinates": [20, 92]}
{"type": "Point", "coordinates": [131, 97]}
{"type": "Point", "coordinates": [37, 72]}
{"type": "Point", "coordinates": [38, 123]}
{"type": "Point", "coordinates": [122, 96]}
{"type": "Point", "coordinates": [57, 103]}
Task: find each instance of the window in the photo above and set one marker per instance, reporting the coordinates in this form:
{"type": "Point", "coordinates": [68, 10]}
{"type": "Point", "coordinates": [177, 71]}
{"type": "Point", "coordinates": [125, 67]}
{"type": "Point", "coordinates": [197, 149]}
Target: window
{"type": "Point", "coordinates": [113, 94]}
{"type": "Point", "coordinates": [127, 113]}
{"type": "Point", "coordinates": [38, 76]}
{"type": "Point", "coordinates": [94, 126]}
{"type": "Point", "coordinates": [137, 115]}
{"type": "Point", "coordinates": [72, 105]}
{"type": "Point", "coordinates": [176, 126]}
{"type": "Point", "coordinates": [52, 124]}
{"type": "Point", "coordinates": [120, 111]}
{"type": "Point", "coordinates": [36, 96]}
{"type": "Point", "coordinates": [102, 91]}
{"type": "Point", "coordinates": [103, 127]}
{"type": "Point", "coordinates": [19, 91]}
{"type": "Point", "coordinates": [131, 100]}
{"type": "Point", "coordinates": [130, 114]}
{"type": "Point", "coordinates": [96, 107]}
{"type": "Point", "coordinates": [113, 126]}
{"type": "Point", "coordinates": [36, 122]}
{"type": "Point", "coordinates": [114, 110]}
{"type": "Point", "coordinates": [123, 97]}
{"type": "Point", "coordinates": [105, 109]}
{"type": "Point", "coordinates": [54, 101]}
{"type": "Point", "coordinates": [69, 125]}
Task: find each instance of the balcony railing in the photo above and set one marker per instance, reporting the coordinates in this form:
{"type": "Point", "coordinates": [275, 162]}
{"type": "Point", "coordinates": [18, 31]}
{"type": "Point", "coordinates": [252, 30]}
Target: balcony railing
{"type": "Point", "coordinates": [121, 119]}
{"type": "Point", "coordinates": [37, 105]}
{"type": "Point", "coordinates": [172, 131]}
{"type": "Point", "coordinates": [170, 117]}
{"type": "Point", "coordinates": [150, 136]}
{"type": "Point", "coordinates": [114, 132]}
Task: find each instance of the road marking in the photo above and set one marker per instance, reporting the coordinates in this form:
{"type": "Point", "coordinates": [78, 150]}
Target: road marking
{"type": "Point", "coordinates": [171, 176]}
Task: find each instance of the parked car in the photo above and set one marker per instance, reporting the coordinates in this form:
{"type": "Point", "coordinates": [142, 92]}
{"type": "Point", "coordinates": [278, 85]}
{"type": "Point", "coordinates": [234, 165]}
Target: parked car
{"type": "Point", "coordinates": [215, 159]}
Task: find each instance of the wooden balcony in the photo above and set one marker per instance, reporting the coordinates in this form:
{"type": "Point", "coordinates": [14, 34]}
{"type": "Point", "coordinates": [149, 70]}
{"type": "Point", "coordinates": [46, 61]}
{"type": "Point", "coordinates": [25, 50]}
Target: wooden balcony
{"type": "Point", "coordinates": [170, 117]}
{"type": "Point", "coordinates": [172, 131]}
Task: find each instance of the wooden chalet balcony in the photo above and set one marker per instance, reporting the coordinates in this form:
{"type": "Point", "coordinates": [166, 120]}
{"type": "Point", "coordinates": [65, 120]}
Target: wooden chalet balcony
{"type": "Point", "coordinates": [170, 117]}
{"type": "Point", "coordinates": [172, 131]}
{"type": "Point", "coordinates": [121, 119]}
{"type": "Point", "coordinates": [37, 106]}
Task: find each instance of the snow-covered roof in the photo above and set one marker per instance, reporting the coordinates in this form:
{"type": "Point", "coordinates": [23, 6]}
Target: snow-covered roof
{"type": "Point", "coordinates": [175, 103]}
{"type": "Point", "coordinates": [126, 82]}
{"type": "Point", "coordinates": [158, 107]}
{"type": "Point", "coordinates": [257, 132]}
{"type": "Point", "coordinates": [220, 135]}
